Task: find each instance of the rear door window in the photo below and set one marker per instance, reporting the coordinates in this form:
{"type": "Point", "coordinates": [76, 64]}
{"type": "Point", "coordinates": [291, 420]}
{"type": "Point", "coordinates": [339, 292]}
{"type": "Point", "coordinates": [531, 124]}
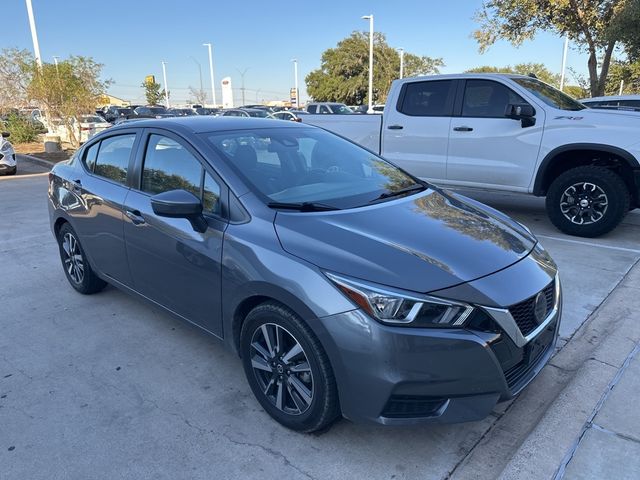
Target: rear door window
{"type": "Point", "coordinates": [113, 156]}
{"type": "Point", "coordinates": [427, 99]}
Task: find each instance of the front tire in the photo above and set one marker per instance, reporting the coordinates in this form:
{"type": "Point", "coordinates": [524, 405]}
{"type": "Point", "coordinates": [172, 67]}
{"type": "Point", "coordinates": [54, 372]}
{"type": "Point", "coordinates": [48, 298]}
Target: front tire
{"type": "Point", "coordinates": [587, 201]}
{"type": "Point", "coordinates": [287, 369]}
{"type": "Point", "coordinates": [75, 263]}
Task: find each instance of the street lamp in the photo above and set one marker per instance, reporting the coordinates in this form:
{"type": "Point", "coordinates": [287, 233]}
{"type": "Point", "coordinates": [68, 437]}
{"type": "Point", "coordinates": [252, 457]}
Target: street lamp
{"type": "Point", "coordinates": [370, 18]}
{"type": "Point", "coordinates": [242, 77]}
{"type": "Point", "coordinates": [295, 75]}
{"type": "Point", "coordinates": [166, 88]}
{"type": "Point", "coordinates": [34, 34]}
{"type": "Point", "coordinates": [401, 50]}
{"type": "Point", "coordinates": [213, 84]}
{"type": "Point", "coordinates": [564, 61]}
{"type": "Point", "coordinates": [55, 60]}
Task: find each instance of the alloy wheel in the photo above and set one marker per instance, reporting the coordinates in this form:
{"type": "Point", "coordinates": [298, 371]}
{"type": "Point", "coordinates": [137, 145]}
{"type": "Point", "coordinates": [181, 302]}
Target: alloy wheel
{"type": "Point", "coordinates": [72, 258]}
{"type": "Point", "coordinates": [584, 203]}
{"type": "Point", "coordinates": [282, 369]}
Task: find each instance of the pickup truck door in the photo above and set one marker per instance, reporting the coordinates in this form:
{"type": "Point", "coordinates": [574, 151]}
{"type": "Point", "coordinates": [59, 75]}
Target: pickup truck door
{"type": "Point", "coordinates": [415, 131]}
{"type": "Point", "coordinates": [485, 147]}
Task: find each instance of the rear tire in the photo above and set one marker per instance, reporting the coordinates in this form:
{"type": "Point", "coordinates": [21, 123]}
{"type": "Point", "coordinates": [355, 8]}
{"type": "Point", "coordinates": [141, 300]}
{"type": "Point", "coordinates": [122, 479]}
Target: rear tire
{"type": "Point", "coordinates": [75, 263]}
{"type": "Point", "coordinates": [587, 201]}
{"type": "Point", "coordinates": [289, 373]}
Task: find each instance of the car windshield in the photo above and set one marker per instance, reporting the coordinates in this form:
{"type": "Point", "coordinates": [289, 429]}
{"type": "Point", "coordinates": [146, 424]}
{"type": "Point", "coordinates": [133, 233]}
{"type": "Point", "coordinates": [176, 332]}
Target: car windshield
{"type": "Point", "coordinates": [340, 109]}
{"type": "Point", "coordinates": [291, 165]}
{"type": "Point", "coordinates": [548, 94]}
{"type": "Point", "coordinates": [157, 110]}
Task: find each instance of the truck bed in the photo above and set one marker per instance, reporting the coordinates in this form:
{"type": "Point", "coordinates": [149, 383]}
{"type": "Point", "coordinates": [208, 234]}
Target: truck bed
{"type": "Point", "coordinates": [362, 129]}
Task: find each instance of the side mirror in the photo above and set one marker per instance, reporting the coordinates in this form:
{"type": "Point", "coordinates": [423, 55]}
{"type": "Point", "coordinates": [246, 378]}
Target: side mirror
{"type": "Point", "coordinates": [523, 112]}
{"type": "Point", "coordinates": [5, 134]}
{"type": "Point", "coordinates": [180, 204]}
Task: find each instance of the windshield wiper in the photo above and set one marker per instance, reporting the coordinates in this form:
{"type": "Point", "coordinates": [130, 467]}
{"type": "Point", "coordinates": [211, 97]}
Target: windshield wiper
{"type": "Point", "coordinates": [396, 193]}
{"type": "Point", "coordinates": [303, 206]}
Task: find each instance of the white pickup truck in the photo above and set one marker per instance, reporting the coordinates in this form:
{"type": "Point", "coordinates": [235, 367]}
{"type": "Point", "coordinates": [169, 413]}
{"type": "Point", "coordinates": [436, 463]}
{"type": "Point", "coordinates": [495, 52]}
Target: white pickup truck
{"type": "Point", "coordinates": [508, 132]}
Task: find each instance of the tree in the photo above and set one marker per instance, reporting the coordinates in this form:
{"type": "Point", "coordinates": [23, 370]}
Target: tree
{"type": "Point", "coordinates": [595, 25]}
{"type": "Point", "coordinates": [627, 28]}
{"type": "Point", "coordinates": [67, 90]}
{"type": "Point", "coordinates": [540, 71]}
{"type": "Point", "coordinates": [626, 72]}
{"type": "Point", "coordinates": [15, 76]}
{"type": "Point", "coordinates": [198, 95]}
{"type": "Point", "coordinates": [153, 92]}
{"type": "Point", "coordinates": [343, 73]}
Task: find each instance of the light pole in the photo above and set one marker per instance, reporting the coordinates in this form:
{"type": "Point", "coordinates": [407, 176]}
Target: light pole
{"type": "Point", "coordinates": [55, 60]}
{"type": "Point", "coordinates": [370, 18]}
{"type": "Point", "coordinates": [564, 61]}
{"type": "Point", "coordinates": [401, 50]}
{"type": "Point", "coordinates": [199, 71]}
{"type": "Point", "coordinates": [242, 77]}
{"type": "Point", "coordinates": [166, 88]}
{"type": "Point", "coordinates": [213, 84]}
{"type": "Point", "coordinates": [34, 34]}
{"type": "Point", "coordinates": [295, 76]}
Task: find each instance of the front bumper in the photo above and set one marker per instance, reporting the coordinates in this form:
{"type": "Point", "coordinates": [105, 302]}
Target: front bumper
{"type": "Point", "coordinates": [400, 375]}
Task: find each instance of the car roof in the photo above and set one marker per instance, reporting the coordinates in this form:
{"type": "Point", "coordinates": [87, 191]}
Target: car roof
{"type": "Point", "coordinates": [611, 97]}
{"type": "Point", "coordinates": [204, 124]}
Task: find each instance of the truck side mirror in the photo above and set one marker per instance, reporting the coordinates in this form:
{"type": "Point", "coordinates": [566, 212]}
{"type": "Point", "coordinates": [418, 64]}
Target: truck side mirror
{"type": "Point", "coordinates": [523, 112]}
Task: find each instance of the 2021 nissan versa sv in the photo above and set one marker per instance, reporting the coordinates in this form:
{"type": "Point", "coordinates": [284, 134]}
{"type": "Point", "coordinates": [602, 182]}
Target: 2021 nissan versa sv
{"type": "Point", "coordinates": [348, 286]}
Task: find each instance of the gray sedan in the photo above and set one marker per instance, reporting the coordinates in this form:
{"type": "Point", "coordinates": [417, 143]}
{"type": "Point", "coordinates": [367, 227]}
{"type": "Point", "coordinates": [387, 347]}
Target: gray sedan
{"type": "Point", "coordinates": [348, 286]}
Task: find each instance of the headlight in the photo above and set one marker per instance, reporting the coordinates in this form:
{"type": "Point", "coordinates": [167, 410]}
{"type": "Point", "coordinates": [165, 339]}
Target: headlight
{"type": "Point", "coordinates": [395, 308]}
{"type": "Point", "coordinates": [5, 147]}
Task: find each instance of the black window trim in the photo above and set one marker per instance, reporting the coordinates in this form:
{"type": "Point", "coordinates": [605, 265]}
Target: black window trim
{"type": "Point", "coordinates": [99, 140]}
{"type": "Point", "coordinates": [448, 104]}
{"type": "Point", "coordinates": [136, 172]}
{"type": "Point", "coordinates": [462, 88]}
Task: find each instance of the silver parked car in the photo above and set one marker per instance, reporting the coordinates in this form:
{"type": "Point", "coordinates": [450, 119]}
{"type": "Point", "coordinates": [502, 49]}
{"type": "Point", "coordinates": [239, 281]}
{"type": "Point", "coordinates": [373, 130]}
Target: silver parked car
{"type": "Point", "coordinates": [348, 286]}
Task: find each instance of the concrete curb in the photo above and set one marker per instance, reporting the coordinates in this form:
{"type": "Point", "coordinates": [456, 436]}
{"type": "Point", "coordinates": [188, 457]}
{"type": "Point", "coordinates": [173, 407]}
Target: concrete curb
{"type": "Point", "coordinates": [39, 161]}
{"type": "Point", "coordinates": [537, 432]}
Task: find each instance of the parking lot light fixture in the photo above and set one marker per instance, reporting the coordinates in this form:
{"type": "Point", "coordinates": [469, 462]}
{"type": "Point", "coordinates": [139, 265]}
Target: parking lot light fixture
{"type": "Point", "coordinates": [213, 83]}
{"type": "Point", "coordinates": [166, 88]}
{"type": "Point", "coordinates": [370, 18]}
{"type": "Point", "coordinates": [295, 75]}
{"type": "Point", "coordinates": [34, 34]}
{"type": "Point", "coordinates": [401, 50]}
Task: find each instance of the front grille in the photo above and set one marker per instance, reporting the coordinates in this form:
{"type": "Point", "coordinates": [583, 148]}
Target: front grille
{"type": "Point", "coordinates": [517, 373]}
{"type": "Point", "coordinates": [412, 406]}
{"type": "Point", "coordinates": [523, 312]}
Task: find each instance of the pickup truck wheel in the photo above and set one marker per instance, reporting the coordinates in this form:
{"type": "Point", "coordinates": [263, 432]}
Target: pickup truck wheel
{"type": "Point", "coordinates": [587, 201]}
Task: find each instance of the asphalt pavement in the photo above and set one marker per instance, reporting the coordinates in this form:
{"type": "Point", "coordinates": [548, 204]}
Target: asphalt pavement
{"type": "Point", "coordinates": [106, 386]}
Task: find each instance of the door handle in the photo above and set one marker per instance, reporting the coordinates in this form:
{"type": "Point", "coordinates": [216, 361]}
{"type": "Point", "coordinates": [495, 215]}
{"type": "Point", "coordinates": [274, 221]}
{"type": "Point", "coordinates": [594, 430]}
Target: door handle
{"type": "Point", "coordinates": [463, 129]}
{"type": "Point", "coordinates": [135, 216]}
{"type": "Point", "coordinates": [76, 186]}
{"type": "Point", "coordinates": [395, 127]}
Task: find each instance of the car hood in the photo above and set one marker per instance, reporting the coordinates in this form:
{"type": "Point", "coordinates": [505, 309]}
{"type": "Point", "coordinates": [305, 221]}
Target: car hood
{"type": "Point", "coordinates": [422, 243]}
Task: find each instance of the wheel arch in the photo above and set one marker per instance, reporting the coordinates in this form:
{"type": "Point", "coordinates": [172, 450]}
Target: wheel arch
{"type": "Point", "coordinates": [565, 157]}
{"type": "Point", "coordinates": [255, 294]}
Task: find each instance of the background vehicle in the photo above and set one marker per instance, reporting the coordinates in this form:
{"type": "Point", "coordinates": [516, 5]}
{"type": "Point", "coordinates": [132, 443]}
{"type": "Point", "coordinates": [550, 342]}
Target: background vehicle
{"type": "Point", "coordinates": [8, 165]}
{"type": "Point", "coordinates": [329, 108]}
{"type": "Point", "coordinates": [246, 112]}
{"type": "Point", "coordinates": [509, 132]}
{"type": "Point", "coordinates": [207, 111]}
{"type": "Point", "coordinates": [616, 102]}
{"type": "Point", "coordinates": [84, 127]}
{"type": "Point", "coordinates": [326, 247]}
{"type": "Point", "coordinates": [291, 115]}
{"type": "Point", "coordinates": [111, 113]}
{"type": "Point", "coordinates": [152, 112]}
{"type": "Point", "coordinates": [182, 112]}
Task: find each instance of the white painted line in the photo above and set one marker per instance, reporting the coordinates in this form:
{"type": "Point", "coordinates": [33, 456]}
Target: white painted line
{"type": "Point", "coordinates": [590, 244]}
{"type": "Point", "coordinates": [26, 175]}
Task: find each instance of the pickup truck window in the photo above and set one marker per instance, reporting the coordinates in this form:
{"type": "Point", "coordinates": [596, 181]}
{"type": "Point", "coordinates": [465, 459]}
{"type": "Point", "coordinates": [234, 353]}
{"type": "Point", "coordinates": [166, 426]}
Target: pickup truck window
{"type": "Point", "coordinates": [486, 98]}
{"type": "Point", "coordinates": [549, 95]}
{"type": "Point", "coordinates": [311, 108]}
{"type": "Point", "coordinates": [427, 99]}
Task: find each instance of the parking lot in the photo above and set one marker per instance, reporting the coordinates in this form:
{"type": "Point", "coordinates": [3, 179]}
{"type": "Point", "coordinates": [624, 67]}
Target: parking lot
{"type": "Point", "coordinates": [106, 386]}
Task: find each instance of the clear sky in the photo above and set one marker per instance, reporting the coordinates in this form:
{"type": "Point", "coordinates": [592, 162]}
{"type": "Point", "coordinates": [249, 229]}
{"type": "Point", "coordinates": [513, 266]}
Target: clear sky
{"type": "Point", "coordinates": [132, 37]}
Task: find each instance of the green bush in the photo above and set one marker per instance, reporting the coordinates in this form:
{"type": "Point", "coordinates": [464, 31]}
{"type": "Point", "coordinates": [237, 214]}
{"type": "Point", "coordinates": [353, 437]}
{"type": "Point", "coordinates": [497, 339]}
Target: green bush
{"type": "Point", "coordinates": [22, 129]}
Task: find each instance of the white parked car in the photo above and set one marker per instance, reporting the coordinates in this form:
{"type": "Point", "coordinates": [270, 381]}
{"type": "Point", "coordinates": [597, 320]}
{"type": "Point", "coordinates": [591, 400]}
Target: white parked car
{"type": "Point", "coordinates": [86, 126]}
{"type": "Point", "coordinates": [513, 133]}
{"type": "Point", "coordinates": [8, 164]}
{"type": "Point", "coordinates": [615, 102]}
